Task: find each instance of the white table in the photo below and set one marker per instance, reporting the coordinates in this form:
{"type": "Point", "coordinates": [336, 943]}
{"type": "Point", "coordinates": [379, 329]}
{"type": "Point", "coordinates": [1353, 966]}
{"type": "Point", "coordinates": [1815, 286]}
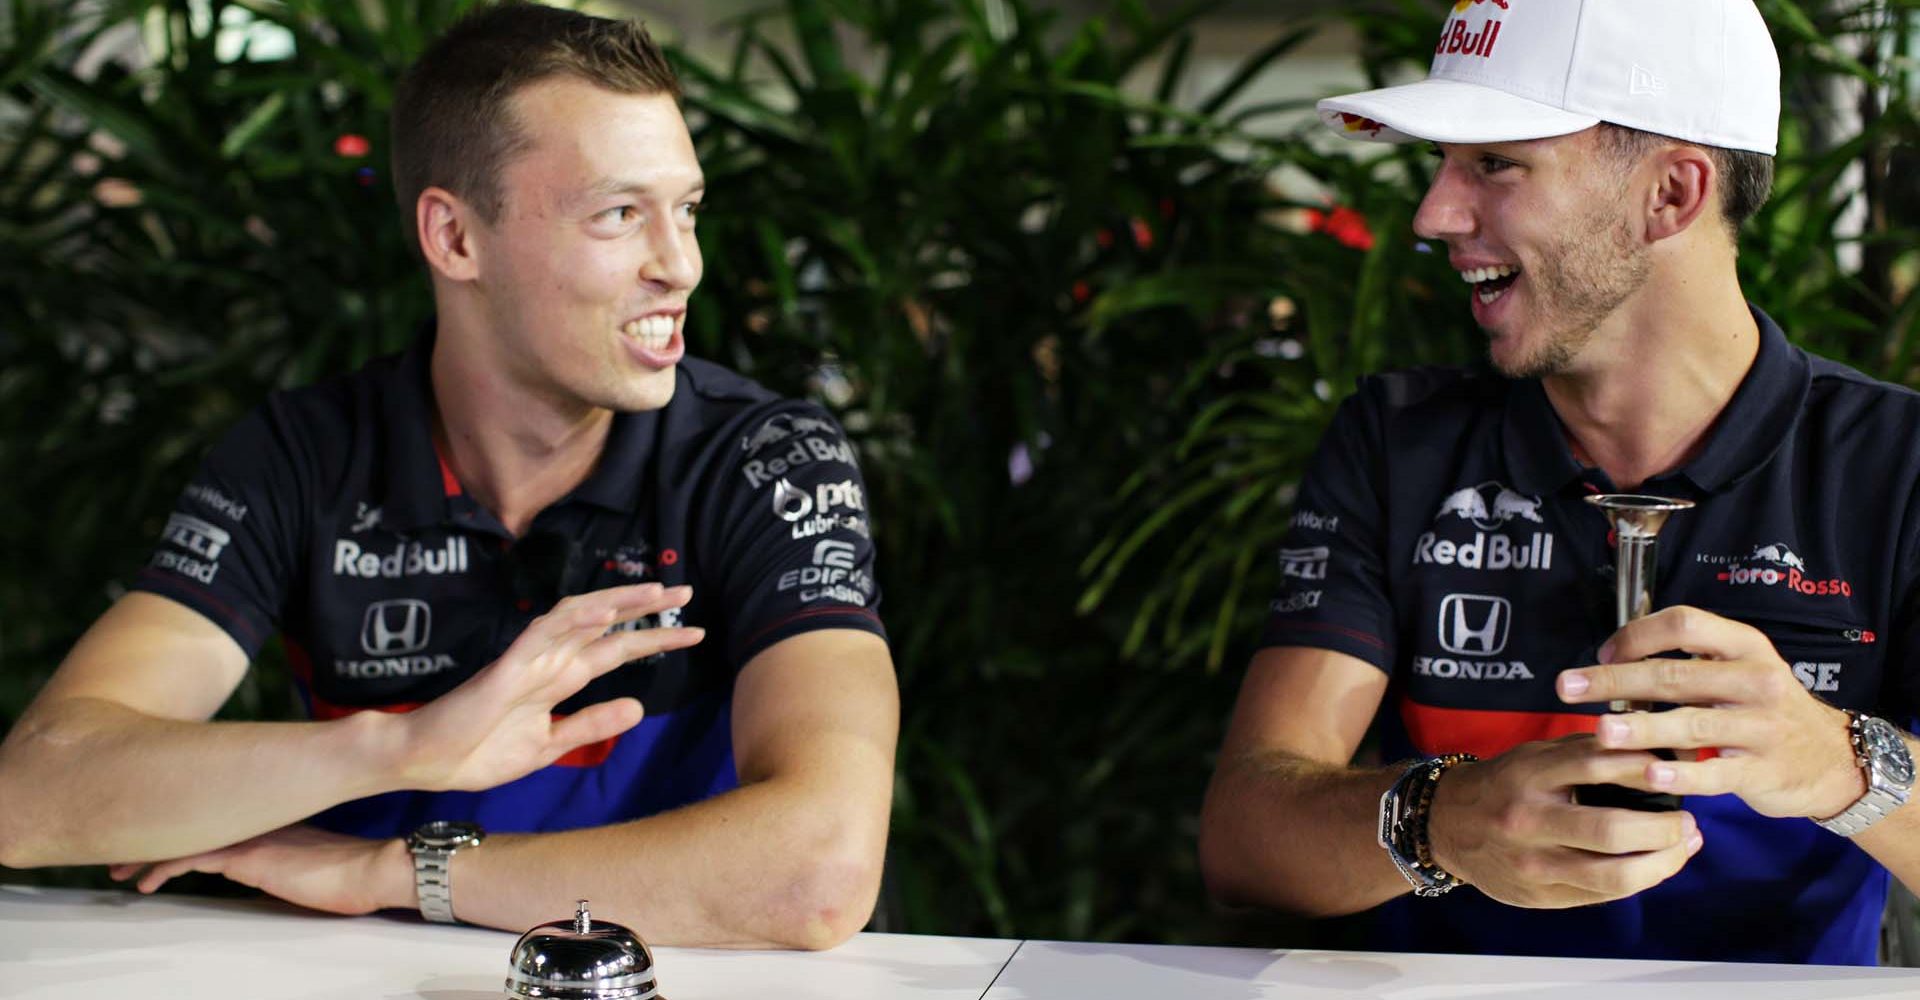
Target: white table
{"type": "Point", "coordinates": [1056, 969]}
{"type": "Point", "coordinates": [78, 945]}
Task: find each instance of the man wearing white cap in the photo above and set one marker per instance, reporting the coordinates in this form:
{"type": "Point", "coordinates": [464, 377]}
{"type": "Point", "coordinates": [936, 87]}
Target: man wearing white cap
{"type": "Point", "coordinates": [1444, 580]}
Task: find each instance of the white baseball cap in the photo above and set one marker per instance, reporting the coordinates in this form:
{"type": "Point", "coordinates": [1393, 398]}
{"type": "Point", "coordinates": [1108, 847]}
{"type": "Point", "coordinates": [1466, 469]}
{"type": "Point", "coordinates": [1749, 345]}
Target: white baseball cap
{"type": "Point", "coordinates": [1704, 71]}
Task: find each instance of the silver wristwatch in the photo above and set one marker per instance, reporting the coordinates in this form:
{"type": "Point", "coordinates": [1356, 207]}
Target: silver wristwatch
{"type": "Point", "coordinates": [1881, 752]}
{"type": "Point", "coordinates": [433, 847]}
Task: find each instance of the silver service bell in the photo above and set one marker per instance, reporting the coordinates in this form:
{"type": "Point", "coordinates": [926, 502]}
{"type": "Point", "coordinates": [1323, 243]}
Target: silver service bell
{"type": "Point", "coordinates": [580, 959]}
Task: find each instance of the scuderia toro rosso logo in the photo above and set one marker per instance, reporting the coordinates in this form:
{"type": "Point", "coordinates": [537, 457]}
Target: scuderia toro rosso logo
{"type": "Point", "coordinates": [1775, 565]}
{"type": "Point", "coordinates": [1499, 514]}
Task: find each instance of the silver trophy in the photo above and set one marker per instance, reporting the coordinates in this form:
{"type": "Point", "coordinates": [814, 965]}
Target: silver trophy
{"type": "Point", "coordinates": [1636, 522]}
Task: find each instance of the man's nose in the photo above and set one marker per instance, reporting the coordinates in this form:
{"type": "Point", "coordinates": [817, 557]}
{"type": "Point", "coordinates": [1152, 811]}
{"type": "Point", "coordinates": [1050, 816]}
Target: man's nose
{"type": "Point", "coordinates": [1445, 212]}
{"type": "Point", "coordinates": [675, 260]}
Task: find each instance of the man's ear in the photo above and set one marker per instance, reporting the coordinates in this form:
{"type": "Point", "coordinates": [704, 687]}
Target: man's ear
{"type": "Point", "coordinates": [445, 224]}
{"type": "Point", "coordinates": [1686, 187]}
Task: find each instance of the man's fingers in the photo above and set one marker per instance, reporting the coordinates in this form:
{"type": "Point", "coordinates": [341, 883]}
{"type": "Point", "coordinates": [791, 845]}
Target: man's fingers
{"type": "Point", "coordinates": [1616, 831]}
{"type": "Point", "coordinates": [1714, 776]}
{"type": "Point", "coordinates": [595, 723]}
{"type": "Point", "coordinates": [1688, 682]}
{"type": "Point", "coordinates": [1687, 630]}
{"type": "Point", "coordinates": [582, 617]}
{"type": "Point", "coordinates": [1683, 729]}
{"type": "Point", "coordinates": [164, 871]}
{"type": "Point", "coordinates": [612, 650]}
{"type": "Point", "coordinates": [1581, 760]}
{"type": "Point", "coordinates": [1617, 876]}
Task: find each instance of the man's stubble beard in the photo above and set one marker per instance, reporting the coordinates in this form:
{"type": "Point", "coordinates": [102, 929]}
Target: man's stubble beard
{"type": "Point", "coordinates": [1577, 283]}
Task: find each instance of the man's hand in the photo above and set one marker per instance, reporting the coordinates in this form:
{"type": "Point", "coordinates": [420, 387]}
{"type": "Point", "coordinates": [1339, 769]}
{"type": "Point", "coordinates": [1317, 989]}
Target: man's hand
{"type": "Point", "coordinates": [1509, 827]}
{"type": "Point", "coordinates": [1783, 751]}
{"type": "Point", "coordinates": [499, 724]}
{"type": "Point", "coordinates": [302, 865]}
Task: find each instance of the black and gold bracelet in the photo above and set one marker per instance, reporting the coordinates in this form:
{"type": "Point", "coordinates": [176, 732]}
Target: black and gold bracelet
{"type": "Point", "coordinates": [1405, 810]}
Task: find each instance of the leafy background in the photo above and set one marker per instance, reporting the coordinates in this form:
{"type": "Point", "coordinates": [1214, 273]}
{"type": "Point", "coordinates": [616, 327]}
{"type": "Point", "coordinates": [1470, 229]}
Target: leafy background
{"type": "Point", "coordinates": [1084, 338]}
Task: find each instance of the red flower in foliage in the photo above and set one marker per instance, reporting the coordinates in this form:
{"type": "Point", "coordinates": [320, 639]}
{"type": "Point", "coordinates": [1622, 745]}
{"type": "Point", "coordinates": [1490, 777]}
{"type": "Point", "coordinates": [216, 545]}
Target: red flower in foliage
{"type": "Point", "coordinates": [1142, 234]}
{"type": "Point", "coordinates": [1343, 224]}
{"type": "Point", "coordinates": [351, 146]}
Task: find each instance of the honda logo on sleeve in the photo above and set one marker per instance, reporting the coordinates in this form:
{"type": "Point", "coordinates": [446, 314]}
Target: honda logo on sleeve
{"type": "Point", "coordinates": [1474, 625]}
{"type": "Point", "coordinates": [396, 628]}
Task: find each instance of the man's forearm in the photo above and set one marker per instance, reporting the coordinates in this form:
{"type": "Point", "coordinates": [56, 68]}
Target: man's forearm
{"type": "Point", "coordinates": [1284, 831]}
{"type": "Point", "coordinates": [87, 781]}
{"type": "Point", "coordinates": [774, 864]}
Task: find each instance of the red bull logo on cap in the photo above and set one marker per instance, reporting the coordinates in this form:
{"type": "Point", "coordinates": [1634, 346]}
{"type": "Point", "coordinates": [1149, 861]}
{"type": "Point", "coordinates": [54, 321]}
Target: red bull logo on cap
{"type": "Point", "coordinates": [1455, 39]}
{"type": "Point", "coordinates": [1360, 123]}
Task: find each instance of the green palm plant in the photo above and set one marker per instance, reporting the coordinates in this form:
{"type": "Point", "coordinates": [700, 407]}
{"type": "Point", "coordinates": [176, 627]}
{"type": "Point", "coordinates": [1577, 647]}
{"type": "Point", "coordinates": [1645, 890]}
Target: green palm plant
{"type": "Point", "coordinates": [1009, 262]}
{"type": "Point", "coordinates": [190, 230]}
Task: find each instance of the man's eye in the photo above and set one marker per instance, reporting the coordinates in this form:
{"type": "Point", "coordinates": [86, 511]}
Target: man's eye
{"type": "Point", "coordinates": [1494, 164]}
{"type": "Point", "coordinates": [621, 214]}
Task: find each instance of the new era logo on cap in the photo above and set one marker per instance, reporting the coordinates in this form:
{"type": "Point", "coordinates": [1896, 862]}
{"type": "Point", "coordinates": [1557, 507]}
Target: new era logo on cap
{"type": "Point", "coordinates": [1704, 71]}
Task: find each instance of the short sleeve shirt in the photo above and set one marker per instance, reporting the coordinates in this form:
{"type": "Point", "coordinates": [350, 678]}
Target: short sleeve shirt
{"type": "Point", "coordinates": [1442, 535]}
{"type": "Point", "coordinates": [327, 516]}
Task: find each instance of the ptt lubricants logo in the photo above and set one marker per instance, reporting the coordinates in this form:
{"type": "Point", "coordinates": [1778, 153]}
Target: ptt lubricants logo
{"type": "Point", "coordinates": [1457, 39]}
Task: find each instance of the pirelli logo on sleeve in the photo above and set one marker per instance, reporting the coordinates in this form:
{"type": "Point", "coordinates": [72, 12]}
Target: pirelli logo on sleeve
{"type": "Point", "coordinates": [198, 544]}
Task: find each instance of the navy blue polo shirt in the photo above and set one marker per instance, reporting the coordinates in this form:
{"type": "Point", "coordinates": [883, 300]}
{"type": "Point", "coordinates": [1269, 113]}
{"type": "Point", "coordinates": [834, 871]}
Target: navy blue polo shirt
{"type": "Point", "coordinates": [1441, 535]}
{"type": "Point", "coordinates": [328, 516]}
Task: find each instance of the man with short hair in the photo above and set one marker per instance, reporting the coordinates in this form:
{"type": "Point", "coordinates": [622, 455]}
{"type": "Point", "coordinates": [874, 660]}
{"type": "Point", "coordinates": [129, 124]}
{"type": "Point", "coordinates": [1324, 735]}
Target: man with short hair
{"type": "Point", "coordinates": [573, 616]}
{"type": "Point", "coordinates": [1445, 578]}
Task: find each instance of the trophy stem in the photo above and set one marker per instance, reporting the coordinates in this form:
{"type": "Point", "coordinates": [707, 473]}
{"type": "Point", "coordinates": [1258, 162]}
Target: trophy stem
{"type": "Point", "coordinates": [1636, 522]}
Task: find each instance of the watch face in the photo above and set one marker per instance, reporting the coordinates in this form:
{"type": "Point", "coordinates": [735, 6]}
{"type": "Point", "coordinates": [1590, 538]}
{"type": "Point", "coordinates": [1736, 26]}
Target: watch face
{"type": "Point", "coordinates": [1888, 752]}
{"type": "Point", "coordinates": [445, 834]}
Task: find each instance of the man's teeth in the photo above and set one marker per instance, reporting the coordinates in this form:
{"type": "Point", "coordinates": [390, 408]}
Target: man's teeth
{"type": "Point", "coordinates": [1480, 274]}
{"type": "Point", "coordinates": [653, 332]}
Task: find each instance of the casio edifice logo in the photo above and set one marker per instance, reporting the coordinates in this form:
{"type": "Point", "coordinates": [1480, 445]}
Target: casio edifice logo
{"type": "Point", "coordinates": [1495, 511]}
{"type": "Point", "coordinates": [834, 576]}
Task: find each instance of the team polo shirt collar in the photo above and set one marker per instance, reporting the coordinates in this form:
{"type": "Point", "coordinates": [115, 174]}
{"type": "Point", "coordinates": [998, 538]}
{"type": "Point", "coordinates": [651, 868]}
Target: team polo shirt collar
{"type": "Point", "coordinates": [1754, 425]}
{"type": "Point", "coordinates": [623, 462]}
{"type": "Point", "coordinates": [419, 484]}
{"type": "Point", "coordinates": [422, 489]}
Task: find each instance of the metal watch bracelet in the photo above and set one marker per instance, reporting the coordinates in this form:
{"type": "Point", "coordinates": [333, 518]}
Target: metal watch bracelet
{"type": "Point", "coordinates": [1405, 810]}
{"type": "Point", "coordinates": [1886, 763]}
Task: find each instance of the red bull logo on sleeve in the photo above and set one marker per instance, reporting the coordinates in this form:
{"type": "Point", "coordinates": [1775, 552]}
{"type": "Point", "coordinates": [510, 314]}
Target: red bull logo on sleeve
{"type": "Point", "coordinates": [1457, 39]}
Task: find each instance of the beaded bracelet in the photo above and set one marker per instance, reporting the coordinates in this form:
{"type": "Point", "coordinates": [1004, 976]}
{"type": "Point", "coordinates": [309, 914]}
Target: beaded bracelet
{"type": "Point", "coordinates": [1404, 813]}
